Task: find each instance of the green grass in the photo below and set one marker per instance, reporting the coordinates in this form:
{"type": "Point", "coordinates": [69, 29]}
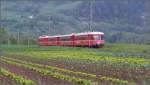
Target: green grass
{"type": "Point", "coordinates": [116, 50]}
{"type": "Point", "coordinates": [36, 48]}
{"type": "Point", "coordinates": [129, 48]}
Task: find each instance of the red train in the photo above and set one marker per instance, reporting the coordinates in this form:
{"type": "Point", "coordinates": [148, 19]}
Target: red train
{"type": "Point", "coordinates": [90, 39]}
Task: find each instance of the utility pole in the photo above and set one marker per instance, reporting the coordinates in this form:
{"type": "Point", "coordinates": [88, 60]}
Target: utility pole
{"type": "Point", "coordinates": [8, 38]}
{"type": "Point", "coordinates": [91, 15]}
{"type": "Point", "coordinates": [49, 25]}
{"type": "Point", "coordinates": [52, 24]}
{"type": "Point", "coordinates": [28, 41]}
{"type": "Point", "coordinates": [18, 37]}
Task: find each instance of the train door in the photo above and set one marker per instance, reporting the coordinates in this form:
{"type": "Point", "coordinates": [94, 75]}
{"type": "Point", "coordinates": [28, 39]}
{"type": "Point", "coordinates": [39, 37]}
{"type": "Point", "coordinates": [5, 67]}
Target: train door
{"type": "Point", "coordinates": [73, 40]}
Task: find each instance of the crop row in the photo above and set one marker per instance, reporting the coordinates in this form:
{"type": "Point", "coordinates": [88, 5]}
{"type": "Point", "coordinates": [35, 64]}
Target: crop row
{"type": "Point", "coordinates": [114, 80]}
{"type": "Point", "coordinates": [52, 68]}
{"type": "Point", "coordinates": [86, 56]}
{"type": "Point", "coordinates": [18, 79]}
{"type": "Point", "coordinates": [53, 74]}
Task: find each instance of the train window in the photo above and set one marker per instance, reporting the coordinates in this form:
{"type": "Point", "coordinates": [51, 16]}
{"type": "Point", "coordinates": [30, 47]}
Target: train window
{"type": "Point", "coordinates": [102, 37]}
{"type": "Point", "coordinates": [51, 39]}
{"type": "Point", "coordinates": [41, 39]}
{"type": "Point", "coordinates": [82, 37]}
{"type": "Point", "coordinates": [66, 38]}
{"type": "Point", "coordinates": [97, 37]}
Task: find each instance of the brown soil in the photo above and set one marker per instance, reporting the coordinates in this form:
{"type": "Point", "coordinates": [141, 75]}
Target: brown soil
{"type": "Point", "coordinates": [29, 74]}
{"type": "Point", "coordinates": [121, 73]}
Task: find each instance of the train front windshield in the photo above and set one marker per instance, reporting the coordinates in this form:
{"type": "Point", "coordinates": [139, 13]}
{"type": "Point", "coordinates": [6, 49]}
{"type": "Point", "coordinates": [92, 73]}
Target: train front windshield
{"type": "Point", "coordinates": [98, 37]}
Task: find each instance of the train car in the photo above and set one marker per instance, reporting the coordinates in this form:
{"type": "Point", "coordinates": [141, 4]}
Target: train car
{"type": "Point", "coordinates": [90, 39]}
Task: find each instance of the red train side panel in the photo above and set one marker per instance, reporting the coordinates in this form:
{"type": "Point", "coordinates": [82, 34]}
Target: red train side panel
{"type": "Point", "coordinates": [80, 39]}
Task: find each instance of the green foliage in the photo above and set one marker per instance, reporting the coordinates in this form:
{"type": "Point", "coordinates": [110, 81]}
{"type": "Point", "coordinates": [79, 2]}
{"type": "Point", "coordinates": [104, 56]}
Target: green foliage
{"type": "Point", "coordinates": [3, 36]}
{"type": "Point", "coordinates": [108, 50]}
{"type": "Point", "coordinates": [84, 56]}
{"type": "Point", "coordinates": [117, 53]}
{"type": "Point", "coordinates": [126, 48]}
{"type": "Point", "coordinates": [18, 79]}
{"type": "Point", "coordinates": [106, 57]}
{"type": "Point", "coordinates": [117, 24]}
{"type": "Point", "coordinates": [60, 70]}
{"type": "Point", "coordinates": [50, 73]}
{"type": "Point", "coordinates": [114, 80]}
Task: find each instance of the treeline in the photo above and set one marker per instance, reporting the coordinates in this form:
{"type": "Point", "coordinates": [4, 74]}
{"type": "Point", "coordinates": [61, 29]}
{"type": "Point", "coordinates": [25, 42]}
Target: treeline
{"type": "Point", "coordinates": [8, 38]}
{"type": "Point", "coordinates": [25, 39]}
{"type": "Point", "coordinates": [122, 21]}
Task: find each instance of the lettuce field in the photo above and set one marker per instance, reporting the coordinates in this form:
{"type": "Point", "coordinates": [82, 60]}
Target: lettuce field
{"type": "Point", "coordinates": [114, 64]}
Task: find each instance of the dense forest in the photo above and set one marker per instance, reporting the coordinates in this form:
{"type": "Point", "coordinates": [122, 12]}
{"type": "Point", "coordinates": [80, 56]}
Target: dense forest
{"type": "Point", "coordinates": [122, 21]}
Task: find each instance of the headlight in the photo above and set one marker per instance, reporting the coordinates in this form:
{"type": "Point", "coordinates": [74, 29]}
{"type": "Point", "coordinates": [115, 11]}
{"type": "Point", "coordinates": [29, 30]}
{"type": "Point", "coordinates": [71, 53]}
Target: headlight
{"type": "Point", "coordinates": [98, 42]}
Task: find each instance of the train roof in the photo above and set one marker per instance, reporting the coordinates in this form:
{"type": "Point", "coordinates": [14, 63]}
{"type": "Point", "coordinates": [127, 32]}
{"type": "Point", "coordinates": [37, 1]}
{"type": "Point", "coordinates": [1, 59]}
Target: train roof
{"type": "Point", "coordinates": [83, 33]}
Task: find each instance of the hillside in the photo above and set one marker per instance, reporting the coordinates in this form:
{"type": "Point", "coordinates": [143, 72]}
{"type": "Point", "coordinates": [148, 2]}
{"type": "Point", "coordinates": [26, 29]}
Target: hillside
{"type": "Point", "coordinates": [124, 21]}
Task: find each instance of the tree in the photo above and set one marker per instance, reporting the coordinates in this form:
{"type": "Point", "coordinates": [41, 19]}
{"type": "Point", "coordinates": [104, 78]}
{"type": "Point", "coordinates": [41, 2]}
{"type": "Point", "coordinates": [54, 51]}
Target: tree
{"type": "Point", "coordinates": [3, 36]}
